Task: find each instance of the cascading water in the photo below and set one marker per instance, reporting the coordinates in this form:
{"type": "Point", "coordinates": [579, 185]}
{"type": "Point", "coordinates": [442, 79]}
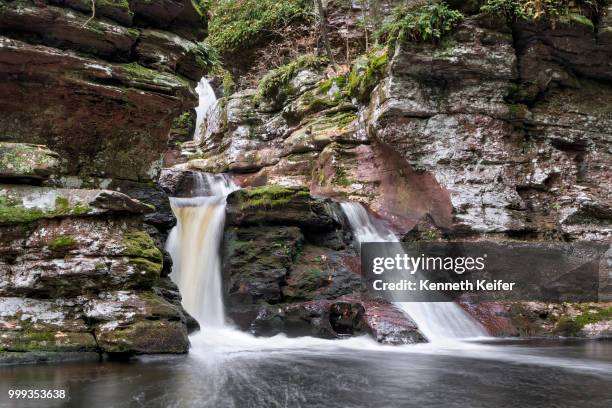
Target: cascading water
{"type": "Point", "coordinates": [207, 99]}
{"type": "Point", "coordinates": [436, 320]}
{"type": "Point", "coordinates": [194, 246]}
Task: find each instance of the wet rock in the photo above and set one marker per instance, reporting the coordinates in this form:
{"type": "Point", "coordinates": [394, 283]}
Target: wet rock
{"type": "Point", "coordinates": [388, 325]}
{"type": "Point", "coordinates": [273, 205]}
{"type": "Point", "coordinates": [590, 320]}
{"type": "Point", "coordinates": [118, 202]}
{"type": "Point", "coordinates": [145, 337]}
{"type": "Point", "coordinates": [19, 161]}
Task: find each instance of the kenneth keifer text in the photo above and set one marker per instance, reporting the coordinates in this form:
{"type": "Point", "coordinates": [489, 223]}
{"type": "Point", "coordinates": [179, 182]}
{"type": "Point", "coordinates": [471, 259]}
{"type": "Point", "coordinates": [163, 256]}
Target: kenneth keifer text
{"type": "Point", "coordinates": [427, 285]}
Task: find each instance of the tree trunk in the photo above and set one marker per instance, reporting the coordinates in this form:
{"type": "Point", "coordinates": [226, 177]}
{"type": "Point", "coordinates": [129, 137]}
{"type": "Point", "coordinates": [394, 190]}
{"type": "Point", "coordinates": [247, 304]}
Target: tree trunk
{"type": "Point", "coordinates": [323, 29]}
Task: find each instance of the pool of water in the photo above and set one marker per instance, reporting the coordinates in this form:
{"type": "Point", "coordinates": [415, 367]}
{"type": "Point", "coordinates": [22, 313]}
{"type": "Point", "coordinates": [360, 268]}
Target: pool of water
{"type": "Point", "coordinates": [273, 373]}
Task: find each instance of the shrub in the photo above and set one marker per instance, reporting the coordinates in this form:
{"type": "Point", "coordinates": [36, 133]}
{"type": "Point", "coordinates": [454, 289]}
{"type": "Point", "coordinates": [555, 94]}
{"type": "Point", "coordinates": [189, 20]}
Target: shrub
{"type": "Point", "coordinates": [237, 24]}
{"type": "Point", "coordinates": [424, 23]}
{"type": "Point", "coordinates": [275, 81]}
{"type": "Point", "coordinates": [207, 54]}
{"type": "Point", "coordinates": [546, 10]}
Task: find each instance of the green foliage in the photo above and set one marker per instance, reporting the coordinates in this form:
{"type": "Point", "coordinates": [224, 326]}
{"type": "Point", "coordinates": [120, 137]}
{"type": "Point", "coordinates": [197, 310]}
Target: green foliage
{"type": "Point", "coordinates": [425, 23]}
{"type": "Point", "coordinates": [238, 24]}
{"type": "Point", "coordinates": [552, 11]}
{"type": "Point", "coordinates": [367, 71]}
{"type": "Point", "coordinates": [184, 121]}
{"type": "Point", "coordinates": [207, 55]}
{"type": "Point", "coordinates": [62, 243]}
{"type": "Point", "coordinates": [275, 82]}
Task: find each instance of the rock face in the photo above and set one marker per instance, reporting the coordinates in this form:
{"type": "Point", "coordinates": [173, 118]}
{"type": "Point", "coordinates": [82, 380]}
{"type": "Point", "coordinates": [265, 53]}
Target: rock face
{"type": "Point", "coordinates": [289, 268]}
{"type": "Point", "coordinates": [27, 161]}
{"type": "Point", "coordinates": [498, 131]}
{"type": "Point", "coordinates": [102, 94]}
{"type": "Point", "coordinates": [88, 99]}
{"type": "Point", "coordinates": [518, 158]}
{"type": "Point", "coordinates": [78, 273]}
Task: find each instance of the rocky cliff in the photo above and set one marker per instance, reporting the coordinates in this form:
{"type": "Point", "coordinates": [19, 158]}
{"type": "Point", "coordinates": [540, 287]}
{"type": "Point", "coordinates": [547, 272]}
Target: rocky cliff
{"type": "Point", "coordinates": [499, 128]}
{"type": "Point", "coordinates": [89, 92]}
{"type": "Point", "coordinates": [479, 122]}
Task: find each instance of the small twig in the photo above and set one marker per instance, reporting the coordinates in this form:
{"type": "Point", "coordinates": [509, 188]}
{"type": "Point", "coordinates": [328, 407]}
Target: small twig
{"type": "Point", "coordinates": [93, 13]}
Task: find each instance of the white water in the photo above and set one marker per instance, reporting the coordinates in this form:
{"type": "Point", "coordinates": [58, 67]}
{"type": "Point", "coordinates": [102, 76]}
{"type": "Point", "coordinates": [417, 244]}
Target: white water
{"type": "Point", "coordinates": [207, 99]}
{"type": "Point", "coordinates": [194, 246]}
{"type": "Point", "coordinates": [438, 321]}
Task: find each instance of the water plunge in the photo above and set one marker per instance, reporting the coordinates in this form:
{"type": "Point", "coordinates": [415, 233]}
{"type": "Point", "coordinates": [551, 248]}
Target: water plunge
{"type": "Point", "coordinates": [194, 247]}
{"type": "Point", "coordinates": [438, 321]}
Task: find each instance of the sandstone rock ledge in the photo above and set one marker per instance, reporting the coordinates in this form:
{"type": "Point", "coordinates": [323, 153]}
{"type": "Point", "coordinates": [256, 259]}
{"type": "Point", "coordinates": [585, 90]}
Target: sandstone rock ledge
{"type": "Point", "coordinates": [78, 273]}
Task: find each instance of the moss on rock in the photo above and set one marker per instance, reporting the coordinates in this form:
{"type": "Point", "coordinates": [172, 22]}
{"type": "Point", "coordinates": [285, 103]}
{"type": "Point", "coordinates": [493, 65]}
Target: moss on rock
{"type": "Point", "coordinates": [62, 243]}
{"type": "Point", "coordinates": [276, 82]}
{"type": "Point", "coordinates": [366, 73]}
{"type": "Point", "coordinates": [14, 212]}
{"type": "Point", "coordinates": [139, 244]}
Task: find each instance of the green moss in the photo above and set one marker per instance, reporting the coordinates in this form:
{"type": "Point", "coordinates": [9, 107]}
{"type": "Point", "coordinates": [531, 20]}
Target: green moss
{"type": "Point", "coordinates": [145, 265]}
{"type": "Point", "coordinates": [62, 243]}
{"type": "Point", "coordinates": [123, 4]}
{"type": "Point", "coordinates": [276, 82]}
{"type": "Point", "coordinates": [270, 196]}
{"type": "Point", "coordinates": [366, 73]}
{"type": "Point", "coordinates": [571, 327]}
{"type": "Point", "coordinates": [420, 23]}
{"type": "Point", "coordinates": [134, 33]}
{"type": "Point", "coordinates": [594, 317]}
{"type": "Point", "coordinates": [13, 212]}
{"type": "Point", "coordinates": [139, 244]}
{"type": "Point", "coordinates": [25, 160]}
{"type": "Point", "coordinates": [229, 85]}
{"type": "Point", "coordinates": [238, 24]}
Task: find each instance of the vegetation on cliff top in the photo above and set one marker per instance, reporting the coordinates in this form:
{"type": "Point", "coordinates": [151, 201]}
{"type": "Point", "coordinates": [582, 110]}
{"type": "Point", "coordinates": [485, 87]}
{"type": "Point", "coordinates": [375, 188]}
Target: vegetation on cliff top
{"type": "Point", "coordinates": [553, 11]}
{"type": "Point", "coordinates": [422, 23]}
{"type": "Point", "coordinates": [238, 24]}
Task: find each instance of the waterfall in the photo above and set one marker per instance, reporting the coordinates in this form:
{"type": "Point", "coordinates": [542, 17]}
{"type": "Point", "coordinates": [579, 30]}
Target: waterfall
{"type": "Point", "coordinates": [207, 99]}
{"type": "Point", "coordinates": [194, 244]}
{"type": "Point", "coordinates": [436, 320]}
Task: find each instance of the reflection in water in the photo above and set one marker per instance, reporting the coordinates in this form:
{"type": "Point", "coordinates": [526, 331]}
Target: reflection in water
{"type": "Point", "coordinates": [336, 375]}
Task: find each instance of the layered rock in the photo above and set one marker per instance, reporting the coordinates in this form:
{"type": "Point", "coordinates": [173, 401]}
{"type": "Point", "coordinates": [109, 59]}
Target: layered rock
{"type": "Point", "coordinates": [498, 131]}
{"type": "Point", "coordinates": [103, 91]}
{"type": "Point", "coordinates": [289, 268]}
{"type": "Point", "coordinates": [79, 274]}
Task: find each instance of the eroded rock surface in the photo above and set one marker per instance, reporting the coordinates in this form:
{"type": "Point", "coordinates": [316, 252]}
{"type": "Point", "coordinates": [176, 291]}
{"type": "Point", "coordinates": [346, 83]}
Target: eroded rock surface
{"type": "Point", "coordinates": [289, 267]}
